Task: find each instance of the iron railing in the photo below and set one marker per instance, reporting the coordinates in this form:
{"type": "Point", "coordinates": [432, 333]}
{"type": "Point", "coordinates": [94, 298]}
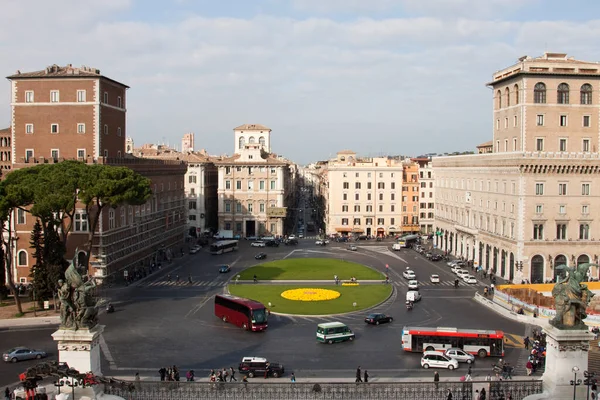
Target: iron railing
{"type": "Point", "coordinates": [499, 390]}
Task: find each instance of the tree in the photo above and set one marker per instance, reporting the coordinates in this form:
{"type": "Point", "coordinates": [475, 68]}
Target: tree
{"type": "Point", "coordinates": [8, 205]}
{"type": "Point", "coordinates": [50, 263]}
{"type": "Point", "coordinates": [109, 186]}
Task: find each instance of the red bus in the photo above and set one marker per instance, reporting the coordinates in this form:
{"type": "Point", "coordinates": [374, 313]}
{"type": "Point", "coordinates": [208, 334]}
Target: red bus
{"type": "Point", "coordinates": [245, 313]}
{"type": "Point", "coordinates": [478, 342]}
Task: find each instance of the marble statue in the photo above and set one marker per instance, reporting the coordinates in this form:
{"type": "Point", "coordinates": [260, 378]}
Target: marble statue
{"type": "Point", "coordinates": [571, 297]}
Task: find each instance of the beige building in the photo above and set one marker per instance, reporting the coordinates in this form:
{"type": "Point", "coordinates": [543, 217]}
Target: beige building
{"type": "Point", "coordinates": [364, 195]}
{"type": "Point", "coordinates": [529, 206]}
{"type": "Point", "coordinates": [426, 194]}
{"type": "Point", "coordinates": [255, 187]}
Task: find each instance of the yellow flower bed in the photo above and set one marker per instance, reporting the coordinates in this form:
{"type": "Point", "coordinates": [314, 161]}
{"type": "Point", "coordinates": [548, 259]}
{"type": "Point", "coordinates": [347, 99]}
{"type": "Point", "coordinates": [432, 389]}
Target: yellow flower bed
{"type": "Point", "coordinates": [310, 294]}
{"type": "Point", "coordinates": [349, 284]}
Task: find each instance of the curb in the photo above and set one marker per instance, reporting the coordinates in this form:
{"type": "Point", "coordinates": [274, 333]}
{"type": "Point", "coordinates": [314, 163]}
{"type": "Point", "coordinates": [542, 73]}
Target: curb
{"type": "Point", "coordinates": [31, 322]}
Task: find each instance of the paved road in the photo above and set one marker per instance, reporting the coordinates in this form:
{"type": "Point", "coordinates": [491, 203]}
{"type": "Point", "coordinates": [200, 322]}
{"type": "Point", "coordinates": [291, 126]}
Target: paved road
{"type": "Point", "coordinates": [158, 323]}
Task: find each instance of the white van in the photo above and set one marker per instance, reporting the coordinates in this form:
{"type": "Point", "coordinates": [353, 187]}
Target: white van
{"type": "Point", "coordinates": [413, 295]}
{"type": "Point", "coordinates": [396, 246]}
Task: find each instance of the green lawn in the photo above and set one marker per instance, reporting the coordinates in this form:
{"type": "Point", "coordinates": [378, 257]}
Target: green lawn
{"type": "Point", "coordinates": [310, 269]}
{"type": "Point", "coordinates": [365, 297]}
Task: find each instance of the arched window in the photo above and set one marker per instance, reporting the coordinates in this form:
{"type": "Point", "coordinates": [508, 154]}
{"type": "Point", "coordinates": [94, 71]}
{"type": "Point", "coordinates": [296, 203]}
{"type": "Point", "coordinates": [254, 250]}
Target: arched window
{"type": "Point", "coordinates": [507, 93]}
{"type": "Point", "coordinates": [81, 258]}
{"type": "Point", "coordinates": [583, 259]}
{"type": "Point", "coordinates": [539, 93]}
{"type": "Point", "coordinates": [516, 93]}
{"type": "Point", "coordinates": [562, 94]}
{"type": "Point", "coordinates": [261, 140]}
{"type": "Point", "coordinates": [537, 269]}
{"type": "Point", "coordinates": [111, 219]}
{"type": "Point", "coordinates": [242, 142]}
{"type": "Point", "coordinates": [560, 259]}
{"type": "Point", "coordinates": [499, 94]}
{"type": "Point", "coordinates": [586, 93]}
{"type": "Point", "coordinates": [22, 258]}
{"type": "Point", "coordinates": [251, 140]}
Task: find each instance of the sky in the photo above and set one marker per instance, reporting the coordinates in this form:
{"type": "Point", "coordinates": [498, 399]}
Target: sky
{"type": "Point", "coordinates": [380, 77]}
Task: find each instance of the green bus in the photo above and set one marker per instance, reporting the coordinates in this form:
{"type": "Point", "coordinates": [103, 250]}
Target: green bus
{"type": "Point", "coordinates": [331, 332]}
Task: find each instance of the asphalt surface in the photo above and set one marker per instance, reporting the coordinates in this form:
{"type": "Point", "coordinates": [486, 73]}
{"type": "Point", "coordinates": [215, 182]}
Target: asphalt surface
{"type": "Point", "coordinates": [160, 322]}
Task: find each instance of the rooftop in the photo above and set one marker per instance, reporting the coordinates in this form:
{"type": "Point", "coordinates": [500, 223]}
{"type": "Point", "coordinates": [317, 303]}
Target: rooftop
{"type": "Point", "coordinates": [68, 71]}
{"type": "Point", "coordinates": [252, 127]}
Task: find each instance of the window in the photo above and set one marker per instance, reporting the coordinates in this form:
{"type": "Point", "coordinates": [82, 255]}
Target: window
{"type": "Point", "coordinates": [539, 208]}
{"type": "Point", "coordinates": [562, 209]}
{"type": "Point", "coordinates": [123, 217]}
{"type": "Point", "coordinates": [516, 92]}
{"type": "Point", "coordinates": [505, 123]}
{"type": "Point", "coordinates": [507, 93]}
{"type": "Point", "coordinates": [539, 144]}
{"type": "Point", "coordinates": [106, 129]}
{"type": "Point", "coordinates": [369, 196]}
{"type": "Point", "coordinates": [392, 208]}
{"type": "Point", "coordinates": [380, 221]}
{"type": "Point", "coordinates": [20, 216]}
{"type": "Point", "coordinates": [514, 144]}
{"type": "Point", "coordinates": [54, 154]}
{"type": "Point", "coordinates": [584, 231]}
{"type": "Point", "coordinates": [540, 120]}
{"type": "Point", "coordinates": [227, 207]}
{"type": "Point", "coordinates": [357, 196]}
{"type": "Point", "coordinates": [22, 258]}
{"type": "Point", "coordinates": [369, 185]}
{"type": "Point", "coordinates": [192, 217]}
{"type": "Point", "coordinates": [539, 189]}
{"type": "Point", "coordinates": [562, 94]}
{"type": "Point", "coordinates": [381, 185]}
{"type": "Point", "coordinates": [53, 128]}
{"type": "Point", "coordinates": [539, 93]}
{"type": "Point", "coordinates": [562, 120]}
{"type": "Point", "coordinates": [29, 128]}
{"type": "Point", "coordinates": [345, 196]}
{"type": "Point", "coordinates": [119, 103]}
{"type": "Point", "coordinates": [393, 196]}
{"type": "Point", "coordinates": [538, 231]}
{"type": "Point", "coordinates": [585, 189]}
{"type": "Point", "coordinates": [499, 96]}
{"type": "Point", "coordinates": [81, 96]}
{"type": "Point", "coordinates": [272, 185]}
{"type": "Point", "coordinates": [81, 221]}
{"type": "Point", "coordinates": [515, 119]}
{"type": "Point", "coordinates": [238, 207]}
{"type": "Point", "coordinates": [80, 153]}
{"type": "Point", "coordinates": [369, 208]}
{"type": "Point", "coordinates": [497, 124]}
{"type": "Point", "coordinates": [346, 185]}
{"type": "Point", "coordinates": [586, 121]}
{"type": "Point", "coordinates": [344, 221]}
{"type": "Point", "coordinates": [562, 144]}
{"type": "Point", "coordinates": [251, 184]}
{"type": "Point", "coordinates": [192, 205]}
{"type": "Point", "coordinates": [393, 187]}
{"type": "Point", "coordinates": [357, 175]}
{"type": "Point", "coordinates": [250, 207]}
{"type": "Point", "coordinates": [586, 145]}
{"type": "Point", "coordinates": [29, 96]}
{"type": "Point", "coordinates": [357, 185]}
{"type": "Point", "coordinates": [561, 231]}
{"type": "Point", "coordinates": [356, 221]}
{"type": "Point", "coordinates": [586, 93]}
{"type": "Point", "coordinates": [238, 185]}
{"type": "Point", "coordinates": [357, 208]}
{"type": "Point", "coordinates": [380, 208]}
{"type": "Point", "coordinates": [119, 131]}
{"type": "Point", "coordinates": [105, 98]}
{"type": "Point", "coordinates": [28, 155]}
{"type": "Point", "coordinates": [380, 196]}
{"type": "Point", "coordinates": [192, 179]}
{"type": "Point", "coordinates": [261, 185]}
{"type": "Point", "coordinates": [227, 170]}
{"type": "Point", "coordinates": [111, 219]}
{"type": "Point", "coordinates": [80, 128]}
{"type": "Point", "coordinates": [585, 209]}
{"type": "Point", "coordinates": [344, 208]}
{"type": "Point", "coordinates": [562, 189]}
{"type": "Point", "coordinates": [227, 185]}
{"type": "Point", "coordinates": [249, 170]}
{"type": "Point", "coordinates": [54, 96]}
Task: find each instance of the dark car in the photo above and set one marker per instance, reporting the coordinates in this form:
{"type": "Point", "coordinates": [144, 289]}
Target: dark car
{"type": "Point", "coordinates": [272, 243]}
{"type": "Point", "coordinates": [256, 366]}
{"type": "Point", "coordinates": [435, 257]}
{"type": "Point", "coordinates": [289, 242]}
{"type": "Point", "coordinates": [224, 268]}
{"type": "Point", "coordinates": [260, 256]}
{"type": "Point", "coordinates": [376, 319]}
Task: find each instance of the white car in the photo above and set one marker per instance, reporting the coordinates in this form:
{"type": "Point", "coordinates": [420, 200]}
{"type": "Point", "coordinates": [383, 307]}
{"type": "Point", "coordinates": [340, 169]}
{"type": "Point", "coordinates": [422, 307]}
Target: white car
{"type": "Point", "coordinates": [413, 285]}
{"type": "Point", "coordinates": [319, 242]}
{"type": "Point", "coordinates": [434, 278]}
{"type": "Point", "coordinates": [326, 241]}
{"type": "Point", "coordinates": [434, 359]}
{"type": "Point", "coordinates": [195, 249]}
{"type": "Point", "coordinates": [470, 279]}
{"type": "Point", "coordinates": [455, 269]}
{"type": "Point", "coordinates": [460, 355]}
{"type": "Point", "coordinates": [257, 244]}
{"type": "Point", "coordinates": [462, 273]}
{"type": "Point", "coordinates": [292, 237]}
{"type": "Point", "coordinates": [409, 274]}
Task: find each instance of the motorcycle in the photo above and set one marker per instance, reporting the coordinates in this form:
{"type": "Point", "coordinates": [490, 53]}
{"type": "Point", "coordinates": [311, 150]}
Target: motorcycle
{"type": "Point", "coordinates": [409, 305]}
{"type": "Point", "coordinates": [110, 309]}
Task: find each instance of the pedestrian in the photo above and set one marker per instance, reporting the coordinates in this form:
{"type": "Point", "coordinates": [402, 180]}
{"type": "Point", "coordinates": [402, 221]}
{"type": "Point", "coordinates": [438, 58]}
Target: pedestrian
{"type": "Point", "coordinates": [529, 367]}
{"type": "Point", "coordinates": [436, 379]}
{"type": "Point", "coordinates": [175, 373]}
{"type": "Point", "coordinates": [267, 368]}
{"type": "Point", "coordinates": [7, 393]}
{"type": "Point", "coordinates": [449, 396]}
{"type": "Point", "coordinates": [225, 374]}
{"type": "Point", "coordinates": [137, 381]}
{"type": "Point", "coordinates": [358, 375]}
{"type": "Point", "coordinates": [190, 375]}
{"type": "Point", "coordinates": [220, 376]}
{"type": "Point", "coordinates": [162, 372]}
{"type": "Point", "coordinates": [526, 342]}
{"type": "Point", "coordinates": [232, 375]}
{"type": "Point", "coordinates": [245, 382]}
{"type": "Point", "coordinates": [293, 378]}
{"type": "Point", "coordinates": [468, 375]}
{"type": "Point", "coordinates": [366, 374]}
{"type": "Point", "coordinates": [482, 394]}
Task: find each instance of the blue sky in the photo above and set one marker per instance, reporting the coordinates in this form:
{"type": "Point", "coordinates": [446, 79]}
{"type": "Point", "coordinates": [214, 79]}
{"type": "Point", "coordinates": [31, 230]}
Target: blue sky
{"type": "Point", "coordinates": [376, 76]}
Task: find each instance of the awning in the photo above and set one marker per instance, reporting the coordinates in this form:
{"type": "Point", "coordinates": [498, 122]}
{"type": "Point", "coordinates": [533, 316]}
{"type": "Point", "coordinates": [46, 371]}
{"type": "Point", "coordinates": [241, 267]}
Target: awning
{"type": "Point", "coordinates": [380, 230]}
{"type": "Point", "coordinates": [394, 229]}
{"type": "Point", "coordinates": [343, 229]}
{"type": "Point", "coordinates": [357, 230]}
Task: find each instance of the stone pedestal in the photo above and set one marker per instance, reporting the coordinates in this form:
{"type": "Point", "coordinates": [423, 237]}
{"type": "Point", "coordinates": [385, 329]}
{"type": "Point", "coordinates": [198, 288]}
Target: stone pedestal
{"type": "Point", "coordinates": [80, 349]}
{"type": "Point", "coordinates": [565, 349]}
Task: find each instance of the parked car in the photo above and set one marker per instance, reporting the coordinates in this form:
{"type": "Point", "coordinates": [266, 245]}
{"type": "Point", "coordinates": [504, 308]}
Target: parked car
{"type": "Point", "coordinates": [195, 249]}
{"type": "Point", "coordinates": [256, 366]}
{"type": "Point", "coordinates": [353, 247]}
{"type": "Point", "coordinates": [376, 319]}
{"type": "Point", "coordinates": [22, 353]}
{"type": "Point", "coordinates": [409, 274]}
{"type": "Point", "coordinates": [470, 279]}
{"type": "Point", "coordinates": [456, 268]}
{"type": "Point", "coordinates": [224, 269]}
{"type": "Point", "coordinates": [462, 273]}
{"type": "Point", "coordinates": [433, 359]}
{"type": "Point", "coordinates": [435, 257]}
{"type": "Point", "coordinates": [434, 278]}
{"type": "Point", "coordinates": [258, 243]}
{"type": "Point", "coordinates": [413, 285]}
{"type": "Point", "coordinates": [260, 256]}
{"type": "Point", "coordinates": [460, 355]}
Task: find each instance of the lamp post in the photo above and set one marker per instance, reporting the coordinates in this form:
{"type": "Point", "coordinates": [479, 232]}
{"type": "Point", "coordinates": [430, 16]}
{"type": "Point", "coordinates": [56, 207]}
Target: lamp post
{"type": "Point", "coordinates": [589, 381]}
{"type": "Point", "coordinates": [72, 384]}
{"type": "Point", "coordinates": [59, 384]}
{"type": "Point", "coordinates": [575, 382]}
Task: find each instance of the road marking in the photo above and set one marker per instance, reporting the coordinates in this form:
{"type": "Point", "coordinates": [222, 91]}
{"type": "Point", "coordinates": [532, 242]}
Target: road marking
{"type": "Point", "coordinates": [289, 254]}
{"type": "Point", "coordinates": [104, 347]}
{"type": "Point", "coordinates": [512, 340]}
{"type": "Point", "coordinates": [197, 307]}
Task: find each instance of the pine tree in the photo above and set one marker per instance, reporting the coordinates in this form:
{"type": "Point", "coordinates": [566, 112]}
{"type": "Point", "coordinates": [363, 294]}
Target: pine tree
{"type": "Point", "coordinates": [49, 265]}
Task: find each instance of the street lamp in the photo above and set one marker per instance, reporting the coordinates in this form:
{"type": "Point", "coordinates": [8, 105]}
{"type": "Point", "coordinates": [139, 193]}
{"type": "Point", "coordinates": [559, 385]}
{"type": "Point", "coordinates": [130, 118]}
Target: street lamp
{"type": "Point", "coordinates": [72, 384]}
{"type": "Point", "coordinates": [589, 381]}
{"type": "Point", "coordinates": [575, 382]}
{"type": "Point", "coordinates": [59, 384]}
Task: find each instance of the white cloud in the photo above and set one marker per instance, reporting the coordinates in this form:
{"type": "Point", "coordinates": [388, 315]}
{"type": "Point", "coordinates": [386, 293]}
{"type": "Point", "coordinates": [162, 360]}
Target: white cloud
{"type": "Point", "coordinates": [399, 85]}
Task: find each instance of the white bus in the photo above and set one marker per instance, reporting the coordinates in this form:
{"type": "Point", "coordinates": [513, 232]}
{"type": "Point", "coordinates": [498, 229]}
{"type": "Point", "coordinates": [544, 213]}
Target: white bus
{"type": "Point", "coordinates": [223, 246]}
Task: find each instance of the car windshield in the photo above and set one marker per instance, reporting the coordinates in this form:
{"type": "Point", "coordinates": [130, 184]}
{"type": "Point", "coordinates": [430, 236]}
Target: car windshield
{"type": "Point", "coordinates": [373, 315]}
{"type": "Point", "coordinates": [259, 316]}
{"type": "Point", "coordinates": [12, 350]}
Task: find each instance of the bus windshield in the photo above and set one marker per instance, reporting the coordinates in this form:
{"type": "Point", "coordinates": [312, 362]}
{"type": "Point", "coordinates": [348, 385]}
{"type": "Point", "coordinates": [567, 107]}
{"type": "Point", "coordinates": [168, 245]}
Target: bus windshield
{"type": "Point", "coordinates": [259, 316]}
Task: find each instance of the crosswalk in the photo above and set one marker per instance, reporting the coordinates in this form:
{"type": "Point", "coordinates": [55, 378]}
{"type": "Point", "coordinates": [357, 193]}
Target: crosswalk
{"type": "Point", "coordinates": [182, 283]}
{"type": "Point", "coordinates": [442, 283]}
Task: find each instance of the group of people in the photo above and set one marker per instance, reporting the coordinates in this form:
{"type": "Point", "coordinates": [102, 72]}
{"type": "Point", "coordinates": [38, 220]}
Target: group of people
{"type": "Point", "coordinates": [169, 374]}
{"type": "Point", "coordinates": [223, 375]}
{"type": "Point", "coordinates": [537, 357]}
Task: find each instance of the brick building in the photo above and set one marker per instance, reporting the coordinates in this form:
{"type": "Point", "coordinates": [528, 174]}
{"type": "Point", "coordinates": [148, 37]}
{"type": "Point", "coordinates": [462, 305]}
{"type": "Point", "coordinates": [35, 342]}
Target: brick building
{"type": "Point", "coordinates": [66, 112]}
{"type": "Point", "coordinates": [5, 151]}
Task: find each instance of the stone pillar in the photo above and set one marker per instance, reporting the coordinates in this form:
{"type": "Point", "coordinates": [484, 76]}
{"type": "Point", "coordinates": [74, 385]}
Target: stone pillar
{"type": "Point", "coordinates": [80, 349]}
{"type": "Point", "coordinates": [565, 349]}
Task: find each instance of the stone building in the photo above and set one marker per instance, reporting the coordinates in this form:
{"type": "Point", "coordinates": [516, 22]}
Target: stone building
{"type": "Point", "coordinates": [530, 205]}
{"type": "Point", "coordinates": [5, 151]}
{"type": "Point", "coordinates": [426, 195]}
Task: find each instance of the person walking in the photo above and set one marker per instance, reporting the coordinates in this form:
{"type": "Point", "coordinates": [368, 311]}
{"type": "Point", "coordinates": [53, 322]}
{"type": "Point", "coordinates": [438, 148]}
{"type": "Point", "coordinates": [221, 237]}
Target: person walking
{"type": "Point", "coordinates": [138, 385]}
{"type": "Point", "coordinates": [482, 394]}
{"type": "Point", "coordinates": [468, 375]}
{"type": "Point", "coordinates": [526, 342]}
{"type": "Point", "coordinates": [358, 375]}
{"type": "Point", "coordinates": [436, 379]}
{"type": "Point", "coordinates": [190, 375]}
{"type": "Point", "coordinates": [293, 378]}
{"type": "Point", "coordinates": [366, 375]}
{"type": "Point", "coordinates": [7, 393]}
{"type": "Point", "coordinates": [232, 375]}
{"type": "Point", "coordinates": [162, 372]}
{"type": "Point", "coordinates": [529, 367]}
{"type": "Point", "coordinates": [449, 396]}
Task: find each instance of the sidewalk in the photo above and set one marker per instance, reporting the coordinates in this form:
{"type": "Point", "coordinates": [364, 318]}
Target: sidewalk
{"type": "Point", "coordinates": [20, 323]}
{"type": "Point", "coordinates": [307, 282]}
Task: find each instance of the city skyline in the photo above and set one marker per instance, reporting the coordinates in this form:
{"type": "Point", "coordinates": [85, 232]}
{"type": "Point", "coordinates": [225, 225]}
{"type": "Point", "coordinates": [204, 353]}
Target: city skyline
{"type": "Point", "coordinates": [323, 75]}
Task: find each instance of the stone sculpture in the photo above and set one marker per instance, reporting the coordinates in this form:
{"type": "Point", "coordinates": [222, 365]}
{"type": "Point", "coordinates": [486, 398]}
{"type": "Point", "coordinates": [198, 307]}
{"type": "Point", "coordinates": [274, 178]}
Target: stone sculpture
{"type": "Point", "coordinates": [78, 309]}
{"type": "Point", "coordinates": [571, 297]}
